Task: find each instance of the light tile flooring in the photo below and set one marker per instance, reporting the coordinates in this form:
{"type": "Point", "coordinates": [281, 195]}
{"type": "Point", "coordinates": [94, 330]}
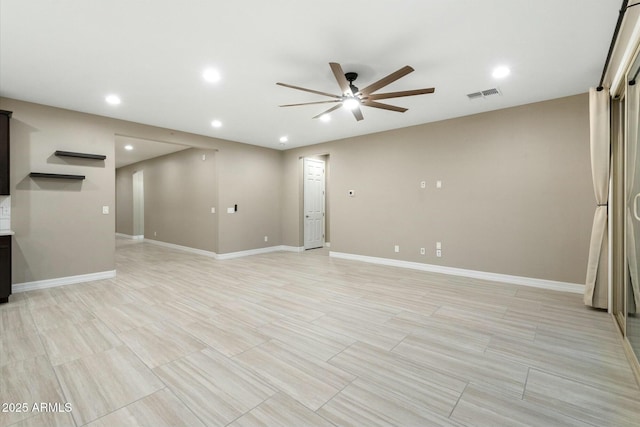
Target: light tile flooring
{"type": "Point", "coordinates": [290, 339]}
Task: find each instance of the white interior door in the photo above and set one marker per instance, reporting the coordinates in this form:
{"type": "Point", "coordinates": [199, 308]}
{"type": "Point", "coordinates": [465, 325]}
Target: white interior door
{"type": "Point", "coordinates": [313, 203]}
{"type": "Point", "coordinates": [138, 204]}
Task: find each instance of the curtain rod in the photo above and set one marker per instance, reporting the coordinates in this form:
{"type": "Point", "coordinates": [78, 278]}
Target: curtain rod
{"type": "Point", "coordinates": [623, 10]}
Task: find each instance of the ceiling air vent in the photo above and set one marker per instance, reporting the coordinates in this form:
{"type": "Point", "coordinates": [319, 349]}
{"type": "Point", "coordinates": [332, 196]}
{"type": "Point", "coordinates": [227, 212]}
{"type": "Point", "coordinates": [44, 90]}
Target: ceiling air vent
{"type": "Point", "coordinates": [484, 93]}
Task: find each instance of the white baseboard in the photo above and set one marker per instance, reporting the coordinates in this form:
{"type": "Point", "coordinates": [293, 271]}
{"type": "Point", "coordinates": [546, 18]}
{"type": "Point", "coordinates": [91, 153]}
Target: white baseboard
{"type": "Point", "coordinates": [229, 255]}
{"type": "Point", "coordinates": [62, 281]}
{"type": "Point", "coordinates": [291, 248]}
{"type": "Point", "coordinates": [495, 277]}
{"type": "Point", "coordinates": [258, 251]}
{"type": "Point", "coordinates": [183, 248]}
{"type": "Point", "coordinates": [70, 280]}
{"type": "Point", "coordinates": [128, 236]}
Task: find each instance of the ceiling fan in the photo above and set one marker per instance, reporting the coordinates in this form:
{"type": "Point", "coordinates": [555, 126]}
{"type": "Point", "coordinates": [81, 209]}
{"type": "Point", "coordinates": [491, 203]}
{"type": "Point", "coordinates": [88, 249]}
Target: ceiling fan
{"type": "Point", "coordinates": [352, 97]}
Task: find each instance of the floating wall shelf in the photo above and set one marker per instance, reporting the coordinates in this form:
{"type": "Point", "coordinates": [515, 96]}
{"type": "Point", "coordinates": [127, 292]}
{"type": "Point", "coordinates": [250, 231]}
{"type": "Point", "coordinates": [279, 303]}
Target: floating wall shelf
{"type": "Point", "coordinates": [55, 176]}
{"type": "Point", "coordinates": [60, 153]}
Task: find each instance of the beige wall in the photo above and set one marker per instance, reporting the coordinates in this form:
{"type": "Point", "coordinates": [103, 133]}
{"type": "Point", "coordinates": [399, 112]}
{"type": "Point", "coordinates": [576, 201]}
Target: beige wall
{"type": "Point", "coordinates": [516, 196]}
{"type": "Point", "coordinates": [179, 191]}
{"type": "Point", "coordinates": [124, 201]}
{"type": "Point", "coordinates": [251, 179]}
{"type": "Point", "coordinates": [59, 225]}
{"type": "Point", "coordinates": [60, 228]}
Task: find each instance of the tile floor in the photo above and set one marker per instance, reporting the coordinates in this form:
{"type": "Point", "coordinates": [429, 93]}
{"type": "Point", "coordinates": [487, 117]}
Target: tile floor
{"type": "Point", "coordinates": [289, 339]}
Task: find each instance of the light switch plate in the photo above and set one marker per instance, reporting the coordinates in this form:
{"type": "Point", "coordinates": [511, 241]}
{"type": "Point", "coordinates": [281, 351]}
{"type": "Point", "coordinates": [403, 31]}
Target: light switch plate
{"type": "Point", "coordinates": [105, 210]}
{"type": "Point", "coordinates": [230, 210]}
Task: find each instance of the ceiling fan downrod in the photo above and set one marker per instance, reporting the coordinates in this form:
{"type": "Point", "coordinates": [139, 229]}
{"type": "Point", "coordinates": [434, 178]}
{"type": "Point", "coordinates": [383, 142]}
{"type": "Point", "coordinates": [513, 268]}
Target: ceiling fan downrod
{"type": "Point", "coordinates": [351, 77]}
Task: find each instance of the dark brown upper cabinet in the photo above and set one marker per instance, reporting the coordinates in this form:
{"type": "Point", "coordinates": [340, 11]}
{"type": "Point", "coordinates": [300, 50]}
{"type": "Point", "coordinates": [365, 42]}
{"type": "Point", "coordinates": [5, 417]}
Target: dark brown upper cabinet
{"type": "Point", "coordinates": [5, 116]}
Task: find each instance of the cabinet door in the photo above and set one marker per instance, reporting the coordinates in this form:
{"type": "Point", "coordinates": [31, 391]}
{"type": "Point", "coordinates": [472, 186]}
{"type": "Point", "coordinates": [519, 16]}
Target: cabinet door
{"type": "Point", "coordinates": [5, 268]}
{"type": "Point", "coordinates": [4, 154]}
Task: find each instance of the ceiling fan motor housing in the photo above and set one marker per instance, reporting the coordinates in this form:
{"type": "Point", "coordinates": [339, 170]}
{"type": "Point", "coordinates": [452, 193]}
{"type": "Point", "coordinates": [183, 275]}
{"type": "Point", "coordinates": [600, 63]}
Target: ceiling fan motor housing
{"type": "Point", "coordinates": [351, 77]}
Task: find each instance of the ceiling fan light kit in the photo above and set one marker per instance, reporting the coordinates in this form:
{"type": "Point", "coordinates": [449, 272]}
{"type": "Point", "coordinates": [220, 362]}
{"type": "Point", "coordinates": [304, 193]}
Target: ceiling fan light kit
{"type": "Point", "coordinates": [350, 102]}
{"type": "Point", "coordinates": [352, 97]}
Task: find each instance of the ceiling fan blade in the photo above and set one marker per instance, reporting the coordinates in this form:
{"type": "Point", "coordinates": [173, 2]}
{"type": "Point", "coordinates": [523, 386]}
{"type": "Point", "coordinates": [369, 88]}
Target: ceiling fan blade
{"type": "Point", "coordinates": [309, 103]}
{"type": "Point", "coordinates": [384, 106]}
{"type": "Point", "coordinates": [340, 78]}
{"type": "Point", "coordinates": [335, 107]}
{"type": "Point", "coordinates": [357, 114]}
{"type": "Point", "coordinates": [309, 90]}
{"type": "Point", "coordinates": [386, 80]}
{"type": "Point", "coordinates": [400, 94]}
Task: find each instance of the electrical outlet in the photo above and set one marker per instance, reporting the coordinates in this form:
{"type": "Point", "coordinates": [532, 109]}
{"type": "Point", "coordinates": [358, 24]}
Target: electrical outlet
{"type": "Point", "coordinates": [438, 184]}
{"type": "Point", "coordinates": [266, 238]}
{"type": "Point", "coordinates": [213, 210]}
{"type": "Point", "coordinates": [423, 251]}
{"type": "Point", "coordinates": [396, 248]}
{"type": "Point", "coordinates": [155, 234]}
{"type": "Point", "coordinates": [439, 253]}
{"type": "Point", "coordinates": [423, 184]}
{"type": "Point", "coordinates": [105, 210]}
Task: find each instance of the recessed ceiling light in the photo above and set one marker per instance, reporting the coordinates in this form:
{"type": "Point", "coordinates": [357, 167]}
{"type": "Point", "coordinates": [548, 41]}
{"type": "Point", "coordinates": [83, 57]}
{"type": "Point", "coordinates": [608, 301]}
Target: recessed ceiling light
{"type": "Point", "coordinates": [113, 99]}
{"type": "Point", "coordinates": [284, 139]}
{"type": "Point", "coordinates": [216, 123]}
{"type": "Point", "coordinates": [325, 118]}
{"type": "Point", "coordinates": [501, 72]}
{"type": "Point", "coordinates": [211, 75]}
{"type": "Point", "coordinates": [128, 147]}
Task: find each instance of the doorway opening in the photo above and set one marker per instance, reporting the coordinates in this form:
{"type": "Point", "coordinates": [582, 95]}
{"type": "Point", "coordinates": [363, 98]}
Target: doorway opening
{"type": "Point", "coordinates": [138, 205]}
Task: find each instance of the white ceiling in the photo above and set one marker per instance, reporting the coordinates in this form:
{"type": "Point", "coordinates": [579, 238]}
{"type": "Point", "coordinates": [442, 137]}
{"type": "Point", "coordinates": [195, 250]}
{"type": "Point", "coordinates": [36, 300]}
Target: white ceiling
{"type": "Point", "coordinates": [142, 149]}
{"type": "Point", "coordinates": [152, 53]}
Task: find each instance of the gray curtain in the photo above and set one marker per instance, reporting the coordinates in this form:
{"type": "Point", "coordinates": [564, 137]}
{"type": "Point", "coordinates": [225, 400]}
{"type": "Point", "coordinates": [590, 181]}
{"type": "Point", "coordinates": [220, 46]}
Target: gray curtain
{"type": "Point", "coordinates": [596, 284]}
